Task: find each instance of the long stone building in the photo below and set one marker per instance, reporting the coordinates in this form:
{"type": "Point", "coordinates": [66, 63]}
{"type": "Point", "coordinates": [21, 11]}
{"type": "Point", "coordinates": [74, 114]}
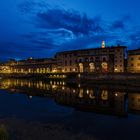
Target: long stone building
{"type": "Point", "coordinates": [103, 59]}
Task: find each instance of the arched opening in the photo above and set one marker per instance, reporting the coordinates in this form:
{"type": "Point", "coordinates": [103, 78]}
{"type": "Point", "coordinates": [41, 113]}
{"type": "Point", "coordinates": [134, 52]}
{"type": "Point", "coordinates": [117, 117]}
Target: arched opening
{"type": "Point", "coordinates": [104, 67]}
{"type": "Point", "coordinates": [91, 67]}
{"type": "Point", "coordinates": [81, 68]}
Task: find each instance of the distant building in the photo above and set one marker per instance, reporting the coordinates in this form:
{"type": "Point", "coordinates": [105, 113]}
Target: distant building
{"type": "Point", "coordinates": [133, 61]}
{"type": "Point", "coordinates": [31, 65]}
{"type": "Point", "coordinates": [104, 59]}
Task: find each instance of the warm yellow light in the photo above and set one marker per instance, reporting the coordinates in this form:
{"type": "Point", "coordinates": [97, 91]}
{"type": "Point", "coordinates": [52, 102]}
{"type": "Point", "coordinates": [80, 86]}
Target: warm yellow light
{"type": "Point", "coordinates": [103, 44]}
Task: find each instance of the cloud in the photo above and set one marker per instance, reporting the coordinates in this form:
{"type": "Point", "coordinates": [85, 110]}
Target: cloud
{"type": "Point", "coordinates": [53, 29]}
{"type": "Point", "coordinates": [121, 23]}
{"type": "Point", "coordinates": [68, 20]}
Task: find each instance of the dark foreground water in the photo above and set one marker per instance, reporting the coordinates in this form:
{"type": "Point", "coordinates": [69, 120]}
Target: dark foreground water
{"type": "Point", "coordinates": [38, 110]}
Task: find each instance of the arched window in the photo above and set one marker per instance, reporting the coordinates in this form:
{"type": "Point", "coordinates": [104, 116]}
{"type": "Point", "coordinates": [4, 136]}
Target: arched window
{"type": "Point", "coordinates": [81, 68]}
{"type": "Point", "coordinates": [91, 67]}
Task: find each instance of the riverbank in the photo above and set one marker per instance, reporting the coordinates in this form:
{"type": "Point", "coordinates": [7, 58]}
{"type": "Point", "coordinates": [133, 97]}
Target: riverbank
{"type": "Point", "coordinates": [126, 79]}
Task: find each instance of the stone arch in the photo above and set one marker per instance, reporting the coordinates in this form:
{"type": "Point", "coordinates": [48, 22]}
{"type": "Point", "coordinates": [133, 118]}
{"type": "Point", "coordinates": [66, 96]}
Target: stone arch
{"type": "Point", "coordinates": [104, 66]}
{"type": "Point", "coordinates": [91, 67]}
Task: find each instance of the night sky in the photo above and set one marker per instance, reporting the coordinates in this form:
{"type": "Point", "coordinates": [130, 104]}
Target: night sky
{"type": "Point", "coordinates": [40, 28]}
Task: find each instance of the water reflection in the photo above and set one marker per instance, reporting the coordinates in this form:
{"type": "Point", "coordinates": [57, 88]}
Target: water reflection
{"type": "Point", "coordinates": [100, 99]}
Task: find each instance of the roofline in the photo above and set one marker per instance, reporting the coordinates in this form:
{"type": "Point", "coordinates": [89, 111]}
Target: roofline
{"type": "Point", "coordinates": [133, 50]}
{"type": "Point", "coordinates": [91, 49]}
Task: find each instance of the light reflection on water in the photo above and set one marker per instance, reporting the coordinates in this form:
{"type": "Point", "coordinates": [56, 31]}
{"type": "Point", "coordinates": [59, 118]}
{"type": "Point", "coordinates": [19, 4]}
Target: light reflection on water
{"type": "Point", "coordinates": [96, 98]}
{"type": "Point", "coordinates": [43, 110]}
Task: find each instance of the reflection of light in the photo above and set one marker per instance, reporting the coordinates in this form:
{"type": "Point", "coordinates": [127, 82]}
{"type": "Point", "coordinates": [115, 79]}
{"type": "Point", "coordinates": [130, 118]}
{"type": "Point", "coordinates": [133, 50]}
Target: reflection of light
{"type": "Point", "coordinates": [79, 85]}
{"type": "Point", "coordinates": [63, 88]}
{"type": "Point", "coordinates": [73, 90]}
{"type": "Point", "coordinates": [87, 91]}
{"type": "Point", "coordinates": [91, 96]}
{"type": "Point", "coordinates": [81, 93]}
{"type": "Point", "coordinates": [104, 95]}
{"type": "Point", "coordinates": [116, 94]}
{"type": "Point", "coordinates": [51, 82]}
{"type": "Point", "coordinates": [79, 75]}
{"type": "Point", "coordinates": [63, 83]}
{"type": "Point", "coordinates": [30, 97]}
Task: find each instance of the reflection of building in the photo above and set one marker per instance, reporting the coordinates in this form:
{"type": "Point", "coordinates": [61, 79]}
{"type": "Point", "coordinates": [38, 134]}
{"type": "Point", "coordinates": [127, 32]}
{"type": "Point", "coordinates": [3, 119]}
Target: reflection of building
{"type": "Point", "coordinates": [105, 59]}
{"type": "Point", "coordinates": [95, 99]}
{"type": "Point", "coordinates": [134, 61]}
{"type": "Point", "coordinates": [134, 102]}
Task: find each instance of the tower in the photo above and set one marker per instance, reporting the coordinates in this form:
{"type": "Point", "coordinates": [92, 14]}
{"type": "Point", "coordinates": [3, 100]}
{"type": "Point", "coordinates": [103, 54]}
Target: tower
{"type": "Point", "coordinates": [103, 44]}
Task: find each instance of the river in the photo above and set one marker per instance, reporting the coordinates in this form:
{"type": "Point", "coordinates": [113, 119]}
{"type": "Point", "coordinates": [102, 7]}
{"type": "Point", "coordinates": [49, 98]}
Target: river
{"type": "Point", "coordinates": [40, 110]}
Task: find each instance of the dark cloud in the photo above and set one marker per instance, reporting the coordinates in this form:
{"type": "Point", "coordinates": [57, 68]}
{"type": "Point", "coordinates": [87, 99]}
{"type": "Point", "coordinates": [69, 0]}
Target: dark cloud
{"type": "Point", "coordinates": [69, 20]}
{"type": "Point", "coordinates": [118, 25]}
{"type": "Point", "coordinates": [121, 23]}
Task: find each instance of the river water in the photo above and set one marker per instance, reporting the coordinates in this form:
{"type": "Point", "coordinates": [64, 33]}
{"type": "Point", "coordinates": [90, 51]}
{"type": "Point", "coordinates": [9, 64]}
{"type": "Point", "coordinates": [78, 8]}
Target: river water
{"type": "Point", "coordinates": [40, 110]}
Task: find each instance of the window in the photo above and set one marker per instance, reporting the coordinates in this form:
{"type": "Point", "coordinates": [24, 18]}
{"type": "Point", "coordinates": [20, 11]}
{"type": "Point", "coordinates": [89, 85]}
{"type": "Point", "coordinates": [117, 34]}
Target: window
{"type": "Point", "coordinates": [91, 59]}
{"type": "Point", "coordinates": [118, 50]}
{"type": "Point", "coordinates": [86, 59]}
{"type": "Point", "coordinates": [80, 60]}
{"type": "Point", "coordinates": [132, 58]}
{"type": "Point", "coordinates": [104, 59]}
{"type": "Point", "coordinates": [66, 63]}
{"type": "Point", "coordinates": [132, 65]}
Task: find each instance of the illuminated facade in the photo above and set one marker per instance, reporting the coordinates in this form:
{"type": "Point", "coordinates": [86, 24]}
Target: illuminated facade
{"type": "Point", "coordinates": [134, 61]}
{"type": "Point", "coordinates": [30, 66]}
{"type": "Point", "coordinates": [104, 59]}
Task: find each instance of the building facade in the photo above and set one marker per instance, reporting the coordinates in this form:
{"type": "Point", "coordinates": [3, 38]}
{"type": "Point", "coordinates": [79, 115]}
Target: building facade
{"type": "Point", "coordinates": [104, 59]}
{"type": "Point", "coordinates": [30, 66]}
{"type": "Point", "coordinates": [133, 64]}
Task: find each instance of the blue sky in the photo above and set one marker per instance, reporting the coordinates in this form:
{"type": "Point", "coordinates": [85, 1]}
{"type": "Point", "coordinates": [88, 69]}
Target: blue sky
{"type": "Point", "coordinates": [40, 28]}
